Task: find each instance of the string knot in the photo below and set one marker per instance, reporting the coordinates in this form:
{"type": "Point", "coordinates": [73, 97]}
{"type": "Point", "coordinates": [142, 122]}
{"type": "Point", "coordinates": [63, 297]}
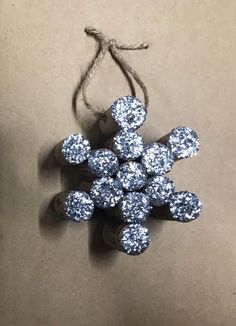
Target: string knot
{"type": "Point", "coordinates": [110, 43]}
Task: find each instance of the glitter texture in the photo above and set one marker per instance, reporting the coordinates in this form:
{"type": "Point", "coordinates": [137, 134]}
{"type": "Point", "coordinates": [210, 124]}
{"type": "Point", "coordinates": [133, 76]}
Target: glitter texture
{"type": "Point", "coordinates": [157, 159]}
{"type": "Point", "coordinates": [183, 142]}
{"type": "Point", "coordinates": [103, 163]}
{"type": "Point", "coordinates": [76, 149]}
{"type": "Point", "coordinates": [135, 207]}
{"type": "Point", "coordinates": [185, 206]}
{"type": "Point", "coordinates": [132, 176]}
{"type": "Point", "coordinates": [126, 178]}
{"type": "Point", "coordinates": [78, 206]}
{"type": "Point", "coordinates": [106, 192]}
{"type": "Point", "coordinates": [159, 189]}
{"type": "Point", "coordinates": [128, 145]}
{"type": "Point", "coordinates": [134, 239]}
{"type": "Point", "coordinates": [128, 112]}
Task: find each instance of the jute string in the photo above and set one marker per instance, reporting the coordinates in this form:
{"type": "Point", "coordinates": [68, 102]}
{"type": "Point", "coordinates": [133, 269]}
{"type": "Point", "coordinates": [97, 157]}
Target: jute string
{"type": "Point", "coordinates": [111, 45]}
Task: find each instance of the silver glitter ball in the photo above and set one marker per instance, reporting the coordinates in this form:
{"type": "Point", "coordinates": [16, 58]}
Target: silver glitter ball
{"type": "Point", "coordinates": [157, 159]}
{"type": "Point", "coordinates": [132, 176]}
{"type": "Point", "coordinates": [106, 192]}
{"type": "Point", "coordinates": [78, 206]}
{"type": "Point", "coordinates": [185, 206]}
{"type": "Point", "coordinates": [159, 189]}
{"type": "Point", "coordinates": [76, 149]}
{"type": "Point", "coordinates": [103, 163]}
{"type": "Point", "coordinates": [183, 142]}
{"type": "Point", "coordinates": [135, 207]}
{"type": "Point", "coordinates": [134, 239]}
{"type": "Point", "coordinates": [128, 112]}
{"type": "Point", "coordinates": [128, 145]}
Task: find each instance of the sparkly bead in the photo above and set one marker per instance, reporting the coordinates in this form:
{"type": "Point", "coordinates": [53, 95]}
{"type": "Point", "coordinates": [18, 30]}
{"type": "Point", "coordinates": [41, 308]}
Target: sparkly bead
{"type": "Point", "coordinates": [74, 149]}
{"type": "Point", "coordinates": [134, 207]}
{"type": "Point", "coordinates": [128, 112]}
{"type": "Point", "coordinates": [106, 192]}
{"type": "Point", "coordinates": [128, 145]}
{"type": "Point", "coordinates": [157, 159]}
{"type": "Point", "coordinates": [185, 206]}
{"type": "Point", "coordinates": [132, 239]}
{"type": "Point", "coordinates": [74, 205]}
{"type": "Point", "coordinates": [103, 163]}
{"type": "Point", "coordinates": [183, 142]}
{"type": "Point", "coordinates": [132, 176]}
{"type": "Point", "coordinates": [159, 189]}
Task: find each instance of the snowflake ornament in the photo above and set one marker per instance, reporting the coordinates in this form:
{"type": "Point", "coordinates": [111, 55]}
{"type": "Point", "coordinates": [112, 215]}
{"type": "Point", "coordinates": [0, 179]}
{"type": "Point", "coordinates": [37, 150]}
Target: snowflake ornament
{"type": "Point", "coordinates": [129, 177]}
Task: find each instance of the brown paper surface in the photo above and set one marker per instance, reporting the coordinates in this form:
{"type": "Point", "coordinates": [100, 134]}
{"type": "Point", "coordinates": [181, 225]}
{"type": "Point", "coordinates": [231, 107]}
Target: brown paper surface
{"type": "Point", "coordinates": [56, 273]}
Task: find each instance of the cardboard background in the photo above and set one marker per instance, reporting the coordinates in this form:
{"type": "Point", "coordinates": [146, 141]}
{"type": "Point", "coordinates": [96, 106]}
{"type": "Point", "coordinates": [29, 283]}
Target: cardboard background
{"type": "Point", "coordinates": [51, 272]}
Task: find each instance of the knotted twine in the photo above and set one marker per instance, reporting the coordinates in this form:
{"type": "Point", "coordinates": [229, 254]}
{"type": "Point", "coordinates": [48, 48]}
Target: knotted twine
{"type": "Point", "coordinates": [112, 46]}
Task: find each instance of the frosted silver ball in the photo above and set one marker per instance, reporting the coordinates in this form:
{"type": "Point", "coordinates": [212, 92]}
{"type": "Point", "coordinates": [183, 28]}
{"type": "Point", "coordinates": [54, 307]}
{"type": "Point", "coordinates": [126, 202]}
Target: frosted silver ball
{"type": "Point", "coordinates": [128, 145]}
{"type": "Point", "coordinates": [159, 189]}
{"type": "Point", "coordinates": [135, 207]}
{"type": "Point", "coordinates": [78, 206]}
{"type": "Point", "coordinates": [157, 159]}
{"type": "Point", "coordinates": [183, 142]}
{"type": "Point", "coordinates": [76, 149]}
{"type": "Point", "coordinates": [128, 112]}
{"type": "Point", "coordinates": [106, 192]}
{"type": "Point", "coordinates": [132, 176]}
{"type": "Point", "coordinates": [103, 162]}
{"type": "Point", "coordinates": [134, 239]}
{"type": "Point", "coordinates": [185, 206]}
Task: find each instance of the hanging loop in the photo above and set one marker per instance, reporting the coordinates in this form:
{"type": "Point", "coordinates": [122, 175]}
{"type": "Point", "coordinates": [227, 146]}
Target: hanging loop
{"type": "Point", "coordinates": [114, 48]}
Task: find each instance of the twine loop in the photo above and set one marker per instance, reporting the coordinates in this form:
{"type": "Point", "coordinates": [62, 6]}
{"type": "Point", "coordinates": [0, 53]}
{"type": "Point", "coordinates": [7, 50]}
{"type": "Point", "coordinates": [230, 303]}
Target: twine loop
{"type": "Point", "coordinates": [111, 45]}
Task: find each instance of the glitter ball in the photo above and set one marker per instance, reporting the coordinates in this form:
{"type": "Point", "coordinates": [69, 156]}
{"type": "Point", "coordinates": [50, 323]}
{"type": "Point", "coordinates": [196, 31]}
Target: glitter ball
{"type": "Point", "coordinates": [132, 176]}
{"type": "Point", "coordinates": [103, 162]}
{"type": "Point", "coordinates": [78, 206]}
{"type": "Point", "coordinates": [185, 206]}
{"type": "Point", "coordinates": [135, 207]}
{"type": "Point", "coordinates": [106, 192]}
{"type": "Point", "coordinates": [183, 142]}
{"type": "Point", "coordinates": [128, 145]}
{"type": "Point", "coordinates": [134, 239]}
{"type": "Point", "coordinates": [76, 149]}
{"type": "Point", "coordinates": [128, 112]}
{"type": "Point", "coordinates": [159, 189]}
{"type": "Point", "coordinates": [157, 159]}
